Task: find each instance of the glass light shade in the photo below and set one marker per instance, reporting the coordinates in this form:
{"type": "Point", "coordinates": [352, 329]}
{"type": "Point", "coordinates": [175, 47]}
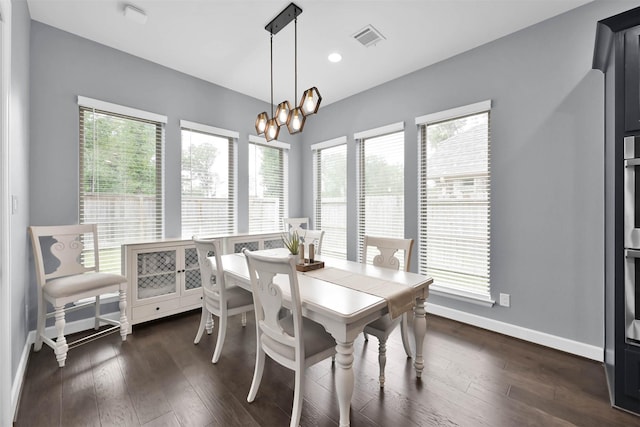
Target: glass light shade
{"type": "Point", "coordinates": [310, 101]}
{"type": "Point", "coordinates": [272, 130]}
{"type": "Point", "coordinates": [261, 123]}
{"type": "Point", "coordinates": [282, 113]}
{"type": "Point", "coordinates": [296, 121]}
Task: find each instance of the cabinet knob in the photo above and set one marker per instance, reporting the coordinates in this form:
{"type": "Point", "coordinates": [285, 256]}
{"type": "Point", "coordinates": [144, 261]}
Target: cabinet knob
{"type": "Point", "coordinates": [157, 308]}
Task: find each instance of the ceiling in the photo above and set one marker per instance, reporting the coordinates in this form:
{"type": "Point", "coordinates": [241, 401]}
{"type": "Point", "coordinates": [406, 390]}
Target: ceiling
{"type": "Point", "coordinates": [224, 41]}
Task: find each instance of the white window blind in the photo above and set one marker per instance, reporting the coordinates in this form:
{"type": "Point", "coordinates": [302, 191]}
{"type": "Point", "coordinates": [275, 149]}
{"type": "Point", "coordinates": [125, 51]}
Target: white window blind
{"type": "Point", "coordinates": [380, 189]}
{"type": "Point", "coordinates": [208, 182]}
{"type": "Point", "coordinates": [455, 204]}
{"type": "Point", "coordinates": [268, 187]}
{"type": "Point", "coordinates": [330, 198]}
{"type": "Point", "coordinates": [121, 160]}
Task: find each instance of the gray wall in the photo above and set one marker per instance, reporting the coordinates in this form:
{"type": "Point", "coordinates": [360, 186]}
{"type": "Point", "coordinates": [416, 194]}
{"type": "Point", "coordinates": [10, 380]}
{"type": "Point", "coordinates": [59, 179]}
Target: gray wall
{"type": "Point", "coordinates": [19, 177]}
{"type": "Point", "coordinates": [65, 66]}
{"type": "Point", "coordinates": [547, 165]}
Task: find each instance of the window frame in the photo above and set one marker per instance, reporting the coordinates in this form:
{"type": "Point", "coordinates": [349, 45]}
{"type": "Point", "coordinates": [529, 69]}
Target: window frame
{"type": "Point", "coordinates": [317, 150]}
{"type": "Point", "coordinates": [361, 138]}
{"type": "Point", "coordinates": [232, 206]}
{"type": "Point", "coordinates": [127, 113]}
{"type": "Point", "coordinates": [423, 122]}
{"type": "Point", "coordinates": [284, 151]}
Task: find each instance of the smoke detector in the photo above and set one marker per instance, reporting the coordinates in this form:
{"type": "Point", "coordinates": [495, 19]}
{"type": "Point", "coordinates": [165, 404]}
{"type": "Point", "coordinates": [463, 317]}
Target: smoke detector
{"type": "Point", "coordinates": [368, 36]}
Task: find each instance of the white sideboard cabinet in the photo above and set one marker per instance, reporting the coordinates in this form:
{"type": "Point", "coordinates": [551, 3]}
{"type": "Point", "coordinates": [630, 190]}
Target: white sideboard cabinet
{"type": "Point", "coordinates": [164, 279]}
{"type": "Point", "coordinates": [164, 276]}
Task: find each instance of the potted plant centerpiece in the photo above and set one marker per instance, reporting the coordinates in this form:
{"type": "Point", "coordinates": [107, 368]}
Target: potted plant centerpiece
{"type": "Point", "coordinates": [292, 242]}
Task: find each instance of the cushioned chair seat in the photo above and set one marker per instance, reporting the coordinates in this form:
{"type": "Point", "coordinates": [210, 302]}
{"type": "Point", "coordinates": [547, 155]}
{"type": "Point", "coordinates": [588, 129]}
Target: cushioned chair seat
{"type": "Point", "coordinates": [316, 338]}
{"type": "Point", "coordinates": [71, 285]}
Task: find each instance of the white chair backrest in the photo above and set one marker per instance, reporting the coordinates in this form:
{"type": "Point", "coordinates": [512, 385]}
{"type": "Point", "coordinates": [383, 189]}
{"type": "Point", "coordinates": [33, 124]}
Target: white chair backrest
{"type": "Point", "coordinates": [315, 237]}
{"type": "Point", "coordinates": [388, 247]}
{"type": "Point", "coordinates": [295, 224]}
{"type": "Point", "coordinates": [268, 302]}
{"type": "Point", "coordinates": [211, 271]}
{"type": "Point", "coordinates": [66, 243]}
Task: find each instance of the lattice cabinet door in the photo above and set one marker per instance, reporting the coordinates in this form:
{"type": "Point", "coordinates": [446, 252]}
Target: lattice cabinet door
{"type": "Point", "coordinates": [157, 274]}
{"type": "Point", "coordinates": [191, 270]}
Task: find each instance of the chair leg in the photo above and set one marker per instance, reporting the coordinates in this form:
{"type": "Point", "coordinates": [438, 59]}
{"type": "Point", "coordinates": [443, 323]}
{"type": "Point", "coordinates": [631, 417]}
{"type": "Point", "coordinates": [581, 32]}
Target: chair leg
{"type": "Point", "coordinates": [205, 317]}
{"type": "Point", "coordinates": [298, 395]}
{"type": "Point", "coordinates": [244, 319]}
{"type": "Point", "coordinates": [257, 373]}
{"type": "Point", "coordinates": [124, 322]}
{"type": "Point", "coordinates": [404, 330]}
{"type": "Point", "coordinates": [222, 333]}
{"type": "Point", "coordinates": [61, 346]}
{"type": "Point", "coordinates": [42, 318]}
{"type": "Point", "coordinates": [96, 323]}
{"type": "Point", "coordinates": [382, 359]}
{"type": "Point", "coordinates": [210, 324]}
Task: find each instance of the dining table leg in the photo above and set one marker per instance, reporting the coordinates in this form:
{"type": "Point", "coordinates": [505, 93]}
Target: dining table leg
{"type": "Point", "coordinates": [420, 330]}
{"type": "Point", "coordinates": [344, 379]}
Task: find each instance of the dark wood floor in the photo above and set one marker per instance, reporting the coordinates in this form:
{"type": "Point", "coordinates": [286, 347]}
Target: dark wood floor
{"type": "Point", "coordinates": [158, 377]}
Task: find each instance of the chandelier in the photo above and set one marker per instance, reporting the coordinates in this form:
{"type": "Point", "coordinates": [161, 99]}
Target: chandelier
{"type": "Point", "coordinates": [285, 115]}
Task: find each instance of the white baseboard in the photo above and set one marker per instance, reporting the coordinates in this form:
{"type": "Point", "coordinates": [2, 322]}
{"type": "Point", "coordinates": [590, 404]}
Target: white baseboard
{"type": "Point", "coordinates": [70, 328]}
{"type": "Point", "coordinates": [569, 346]}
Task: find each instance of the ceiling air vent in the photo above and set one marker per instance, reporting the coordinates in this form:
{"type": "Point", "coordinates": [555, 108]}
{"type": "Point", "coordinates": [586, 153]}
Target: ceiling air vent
{"type": "Point", "coordinates": [368, 36]}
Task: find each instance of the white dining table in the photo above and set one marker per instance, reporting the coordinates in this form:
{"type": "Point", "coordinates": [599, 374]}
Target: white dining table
{"type": "Point", "coordinates": [343, 311]}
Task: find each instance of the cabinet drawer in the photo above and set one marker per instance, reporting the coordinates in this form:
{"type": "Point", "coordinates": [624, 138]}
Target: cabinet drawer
{"type": "Point", "coordinates": [153, 311]}
{"type": "Point", "coordinates": [194, 300]}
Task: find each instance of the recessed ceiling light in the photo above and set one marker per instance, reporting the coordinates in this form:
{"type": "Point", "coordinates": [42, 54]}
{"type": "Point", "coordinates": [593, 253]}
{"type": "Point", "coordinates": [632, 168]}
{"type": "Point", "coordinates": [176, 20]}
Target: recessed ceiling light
{"type": "Point", "coordinates": [335, 57]}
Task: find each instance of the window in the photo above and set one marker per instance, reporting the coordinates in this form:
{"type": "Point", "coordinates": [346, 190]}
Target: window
{"type": "Point", "coordinates": [455, 201]}
{"type": "Point", "coordinates": [330, 195]}
{"type": "Point", "coordinates": [268, 185]}
{"type": "Point", "coordinates": [208, 199]}
{"type": "Point", "coordinates": [380, 185]}
{"type": "Point", "coordinates": [120, 176]}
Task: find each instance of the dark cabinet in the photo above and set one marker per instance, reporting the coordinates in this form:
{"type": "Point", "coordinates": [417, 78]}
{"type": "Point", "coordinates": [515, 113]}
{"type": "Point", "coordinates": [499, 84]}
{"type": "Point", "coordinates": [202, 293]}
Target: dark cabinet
{"type": "Point", "coordinates": [617, 54]}
{"type": "Point", "coordinates": [632, 79]}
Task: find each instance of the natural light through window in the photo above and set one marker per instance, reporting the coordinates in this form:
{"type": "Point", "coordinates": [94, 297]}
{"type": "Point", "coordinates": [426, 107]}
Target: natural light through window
{"type": "Point", "coordinates": [455, 202]}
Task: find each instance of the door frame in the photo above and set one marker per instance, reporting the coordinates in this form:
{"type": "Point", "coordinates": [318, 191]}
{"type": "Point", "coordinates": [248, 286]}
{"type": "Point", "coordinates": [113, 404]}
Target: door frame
{"type": "Point", "coordinates": [7, 401]}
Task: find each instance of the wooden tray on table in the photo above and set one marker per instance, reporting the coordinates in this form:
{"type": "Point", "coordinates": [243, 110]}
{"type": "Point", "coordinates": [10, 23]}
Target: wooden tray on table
{"type": "Point", "coordinates": [308, 266]}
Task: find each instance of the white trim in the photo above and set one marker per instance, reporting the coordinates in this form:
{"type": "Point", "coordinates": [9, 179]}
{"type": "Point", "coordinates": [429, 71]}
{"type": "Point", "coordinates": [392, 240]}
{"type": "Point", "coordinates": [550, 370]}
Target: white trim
{"type": "Point", "coordinates": [185, 124]}
{"type": "Point", "coordinates": [7, 404]}
{"type": "Point", "coordinates": [465, 110]}
{"type": "Point", "coordinates": [83, 101]}
{"type": "Point", "coordinates": [330, 143]}
{"type": "Point", "coordinates": [274, 143]}
{"type": "Point", "coordinates": [460, 295]}
{"type": "Point", "coordinates": [21, 372]}
{"type": "Point", "coordinates": [382, 130]}
{"type": "Point", "coordinates": [559, 343]}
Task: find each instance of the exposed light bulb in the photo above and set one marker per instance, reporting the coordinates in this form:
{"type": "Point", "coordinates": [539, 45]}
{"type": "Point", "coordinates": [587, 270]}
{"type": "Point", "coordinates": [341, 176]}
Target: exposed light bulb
{"type": "Point", "coordinates": [283, 115]}
{"type": "Point", "coordinates": [308, 104]}
{"type": "Point", "coordinates": [262, 124]}
{"type": "Point", "coordinates": [295, 123]}
{"type": "Point", "coordinates": [272, 132]}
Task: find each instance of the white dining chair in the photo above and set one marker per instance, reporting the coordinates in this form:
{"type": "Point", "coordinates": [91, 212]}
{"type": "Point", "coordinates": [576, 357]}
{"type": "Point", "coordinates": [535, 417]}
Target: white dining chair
{"type": "Point", "coordinates": [291, 340]}
{"type": "Point", "coordinates": [72, 281]}
{"type": "Point", "coordinates": [295, 224]}
{"type": "Point", "coordinates": [383, 327]}
{"type": "Point", "coordinates": [218, 298]}
{"type": "Point", "coordinates": [315, 237]}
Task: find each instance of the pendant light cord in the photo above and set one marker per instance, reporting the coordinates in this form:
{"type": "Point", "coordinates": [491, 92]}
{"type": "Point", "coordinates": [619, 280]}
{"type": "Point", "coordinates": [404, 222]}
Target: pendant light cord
{"type": "Point", "coordinates": [271, 75]}
{"type": "Point", "coordinates": [295, 55]}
